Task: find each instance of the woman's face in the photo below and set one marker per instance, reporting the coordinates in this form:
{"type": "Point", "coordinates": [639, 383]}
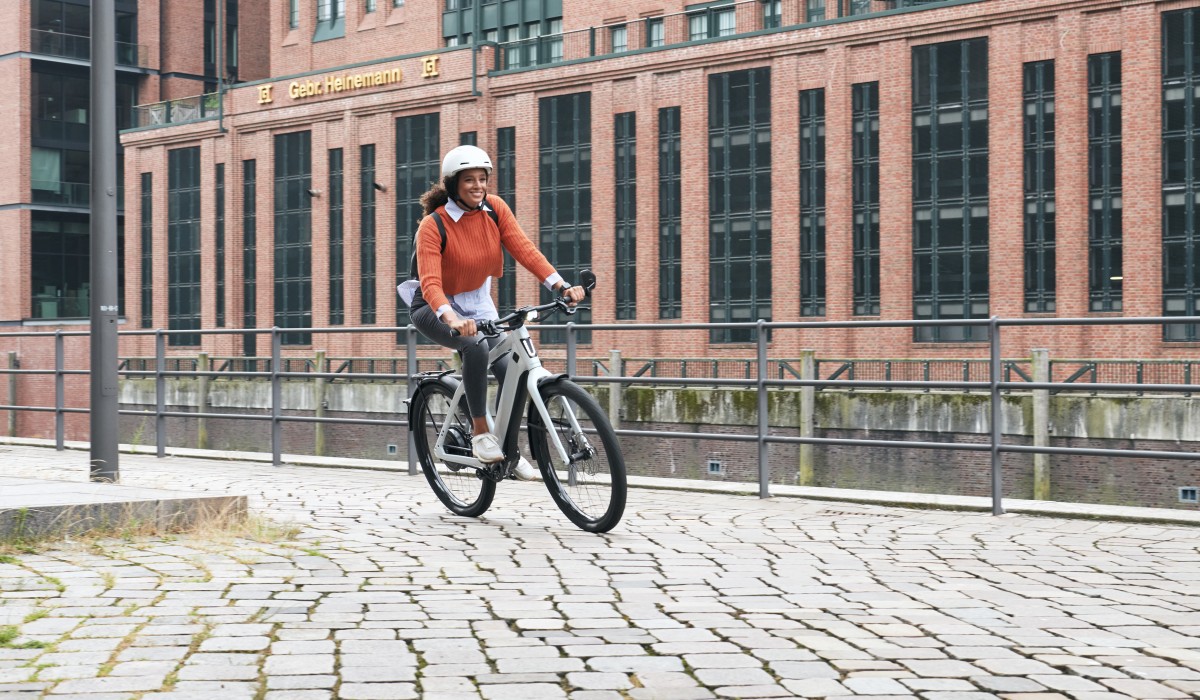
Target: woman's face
{"type": "Point", "coordinates": [472, 186]}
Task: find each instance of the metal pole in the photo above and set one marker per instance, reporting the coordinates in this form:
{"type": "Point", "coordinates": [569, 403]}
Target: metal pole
{"type": "Point", "coordinates": [571, 349]}
{"type": "Point", "coordinates": [410, 350]}
{"type": "Point", "coordinates": [996, 419]}
{"type": "Point", "coordinates": [276, 397]}
{"type": "Point", "coordinates": [220, 66]}
{"type": "Point", "coordinates": [764, 454]}
{"type": "Point", "coordinates": [58, 391]}
{"type": "Point", "coordinates": [12, 393]}
{"type": "Point", "coordinates": [104, 406]}
{"type": "Point", "coordinates": [160, 393]}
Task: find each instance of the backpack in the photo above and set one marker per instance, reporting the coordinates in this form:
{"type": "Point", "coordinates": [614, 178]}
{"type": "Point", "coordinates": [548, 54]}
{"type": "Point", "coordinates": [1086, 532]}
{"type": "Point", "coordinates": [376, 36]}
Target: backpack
{"type": "Point", "coordinates": [437, 219]}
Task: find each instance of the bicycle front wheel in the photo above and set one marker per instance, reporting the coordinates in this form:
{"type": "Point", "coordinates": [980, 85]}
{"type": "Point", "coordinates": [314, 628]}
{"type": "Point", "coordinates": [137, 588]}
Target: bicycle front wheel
{"type": "Point", "coordinates": [589, 487]}
{"type": "Point", "coordinates": [461, 489]}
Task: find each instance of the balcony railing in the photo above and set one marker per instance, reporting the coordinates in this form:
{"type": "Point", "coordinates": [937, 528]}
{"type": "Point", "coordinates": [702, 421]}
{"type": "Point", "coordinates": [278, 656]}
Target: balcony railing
{"type": "Point", "coordinates": [719, 21]}
{"type": "Point", "coordinates": [69, 194]}
{"type": "Point", "coordinates": [80, 47]}
{"type": "Point", "coordinates": [180, 111]}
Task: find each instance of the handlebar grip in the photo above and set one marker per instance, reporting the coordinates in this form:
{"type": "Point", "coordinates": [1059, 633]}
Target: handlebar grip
{"type": "Point", "coordinates": [454, 333]}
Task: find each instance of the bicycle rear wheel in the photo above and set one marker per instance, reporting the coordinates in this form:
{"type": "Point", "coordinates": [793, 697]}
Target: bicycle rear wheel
{"type": "Point", "coordinates": [462, 489]}
{"type": "Point", "coordinates": [590, 487]}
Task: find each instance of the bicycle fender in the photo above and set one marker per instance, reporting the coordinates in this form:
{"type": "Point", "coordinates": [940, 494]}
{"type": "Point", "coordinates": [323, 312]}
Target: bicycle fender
{"type": "Point", "coordinates": [446, 380]}
{"type": "Point", "coordinates": [550, 379]}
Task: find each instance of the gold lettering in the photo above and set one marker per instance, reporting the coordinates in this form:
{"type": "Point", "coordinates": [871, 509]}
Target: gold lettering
{"type": "Point", "coordinates": [264, 94]}
{"type": "Point", "coordinates": [358, 80]}
{"type": "Point", "coordinates": [294, 90]}
{"type": "Point", "coordinates": [429, 67]}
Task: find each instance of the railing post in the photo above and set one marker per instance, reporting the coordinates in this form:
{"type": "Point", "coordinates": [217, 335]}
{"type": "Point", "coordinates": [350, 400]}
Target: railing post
{"type": "Point", "coordinates": [996, 418]}
{"type": "Point", "coordinates": [614, 390]}
{"type": "Point", "coordinates": [1041, 425]}
{"type": "Point", "coordinates": [319, 405]}
{"type": "Point", "coordinates": [571, 348]}
{"type": "Point", "coordinates": [808, 402]}
{"type": "Point", "coordinates": [59, 392]}
{"type": "Point", "coordinates": [410, 348]}
{"type": "Point", "coordinates": [12, 393]}
{"type": "Point", "coordinates": [591, 41]}
{"type": "Point", "coordinates": [764, 465]}
{"type": "Point", "coordinates": [160, 394]}
{"type": "Point", "coordinates": [202, 402]}
{"type": "Point", "coordinates": [276, 397]}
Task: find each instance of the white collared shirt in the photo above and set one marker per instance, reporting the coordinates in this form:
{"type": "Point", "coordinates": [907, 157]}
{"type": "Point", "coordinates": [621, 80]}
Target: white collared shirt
{"type": "Point", "coordinates": [477, 303]}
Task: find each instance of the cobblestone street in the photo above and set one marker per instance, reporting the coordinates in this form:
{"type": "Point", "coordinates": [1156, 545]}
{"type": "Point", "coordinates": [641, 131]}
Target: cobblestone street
{"type": "Point", "coordinates": [384, 594]}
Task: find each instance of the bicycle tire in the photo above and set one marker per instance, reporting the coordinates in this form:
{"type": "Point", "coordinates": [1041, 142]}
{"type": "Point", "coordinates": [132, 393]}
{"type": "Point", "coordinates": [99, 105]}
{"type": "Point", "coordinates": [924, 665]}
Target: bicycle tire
{"type": "Point", "coordinates": [592, 489]}
{"type": "Point", "coordinates": [462, 490]}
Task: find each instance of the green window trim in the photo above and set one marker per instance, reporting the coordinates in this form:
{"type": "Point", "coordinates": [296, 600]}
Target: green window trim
{"type": "Point", "coordinates": [812, 202]}
{"type": "Point", "coordinates": [418, 163]}
{"type": "Point", "coordinates": [292, 261]}
{"type": "Point", "coordinates": [1105, 201]}
{"type": "Point", "coordinates": [864, 117]}
{"type": "Point", "coordinates": [506, 188]}
{"type": "Point", "coordinates": [220, 244]}
{"type": "Point", "coordinates": [249, 255]}
{"type": "Point", "coordinates": [625, 216]}
{"type": "Point", "coordinates": [337, 274]}
{"type": "Point", "coordinates": [670, 222]}
{"type": "Point", "coordinates": [565, 196]}
{"type": "Point", "coordinates": [739, 185]}
{"type": "Point", "coordinates": [147, 231]}
{"type": "Point", "coordinates": [950, 188]}
{"type": "Point", "coordinates": [183, 245]}
{"type": "Point", "coordinates": [1181, 172]}
{"type": "Point", "coordinates": [1039, 219]}
{"type": "Point", "coordinates": [366, 289]}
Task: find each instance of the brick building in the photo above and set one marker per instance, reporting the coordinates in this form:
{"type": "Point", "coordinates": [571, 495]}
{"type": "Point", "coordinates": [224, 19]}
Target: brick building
{"type": "Point", "coordinates": [722, 161]}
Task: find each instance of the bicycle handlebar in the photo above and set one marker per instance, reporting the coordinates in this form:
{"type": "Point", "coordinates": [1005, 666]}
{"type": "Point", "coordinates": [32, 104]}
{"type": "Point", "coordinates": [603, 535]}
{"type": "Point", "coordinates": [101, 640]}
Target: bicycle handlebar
{"type": "Point", "coordinates": [493, 328]}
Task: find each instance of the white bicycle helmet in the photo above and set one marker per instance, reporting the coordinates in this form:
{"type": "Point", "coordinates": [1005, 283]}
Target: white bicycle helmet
{"type": "Point", "coordinates": [463, 158]}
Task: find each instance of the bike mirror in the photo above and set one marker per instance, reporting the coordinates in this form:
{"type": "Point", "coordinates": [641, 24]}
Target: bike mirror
{"type": "Point", "coordinates": [588, 280]}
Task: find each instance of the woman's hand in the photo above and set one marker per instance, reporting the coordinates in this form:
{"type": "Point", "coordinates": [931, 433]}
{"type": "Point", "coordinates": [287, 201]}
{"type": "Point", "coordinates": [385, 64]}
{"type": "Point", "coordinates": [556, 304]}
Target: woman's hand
{"type": "Point", "coordinates": [574, 294]}
{"type": "Point", "coordinates": [464, 326]}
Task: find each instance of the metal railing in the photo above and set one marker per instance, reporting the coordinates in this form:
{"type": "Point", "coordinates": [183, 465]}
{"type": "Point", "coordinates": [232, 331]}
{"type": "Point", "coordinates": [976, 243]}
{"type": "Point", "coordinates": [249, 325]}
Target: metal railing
{"type": "Point", "coordinates": [178, 111]}
{"type": "Point", "coordinates": [68, 194]}
{"type": "Point", "coordinates": [80, 47]}
{"type": "Point", "coordinates": [731, 19]}
{"type": "Point", "coordinates": [995, 384]}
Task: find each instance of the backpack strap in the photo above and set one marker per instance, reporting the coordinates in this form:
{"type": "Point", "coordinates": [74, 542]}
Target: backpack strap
{"type": "Point", "coordinates": [412, 264]}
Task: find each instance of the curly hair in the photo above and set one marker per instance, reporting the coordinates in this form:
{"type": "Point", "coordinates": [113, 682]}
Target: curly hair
{"type": "Point", "coordinates": [438, 194]}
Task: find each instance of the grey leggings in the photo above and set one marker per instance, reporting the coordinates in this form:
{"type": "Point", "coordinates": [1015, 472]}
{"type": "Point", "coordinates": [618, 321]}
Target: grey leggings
{"type": "Point", "coordinates": [474, 351]}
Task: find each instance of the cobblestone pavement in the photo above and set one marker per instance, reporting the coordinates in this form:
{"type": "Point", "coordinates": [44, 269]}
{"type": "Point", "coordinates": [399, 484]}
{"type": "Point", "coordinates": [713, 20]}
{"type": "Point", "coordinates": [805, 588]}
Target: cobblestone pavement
{"type": "Point", "coordinates": [384, 594]}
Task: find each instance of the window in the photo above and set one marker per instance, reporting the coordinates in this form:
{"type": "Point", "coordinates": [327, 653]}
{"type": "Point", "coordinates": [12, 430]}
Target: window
{"type": "Point", "coordinates": [505, 173]}
{"type": "Point", "coordinates": [249, 253]}
{"type": "Point", "coordinates": [1039, 187]}
{"type": "Point", "coordinates": [950, 188]}
{"type": "Point", "coordinates": [147, 231]}
{"type": "Point", "coordinates": [293, 14]}
{"type": "Point", "coordinates": [625, 218]}
{"type": "Point", "coordinates": [670, 241]}
{"type": "Point", "coordinates": [655, 32]}
{"type": "Point", "coordinates": [812, 202]}
{"type": "Point", "coordinates": [60, 106]}
{"type": "Point", "coordinates": [772, 14]}
{"type": "Point", "coordinates": [183, 244]}
{"type": "Point", "coordinates": [712, 22]}
{"type": "Point", "coordinates": [1105, 276]}
{"type": "Point", "coordinates": [293, 235]}
{"type": "Point", "coordinates": [468, 138]}
{"type": "Point", "coordinates": [1181, 173]}
{"type": "Point", "coordinates": [418, 163]}
{"type": "Point", "coordinates": [864, 116]}
{"type": "Point", "coordinates": [366, 178]}
{"type": "Point", "coordinates": [739, 187]}
{"type": "Point", "coordinates": [619, 38]}
{"type": "Point", "coordinates": [60, 274]}
{"type": "Point", "coordinates": [337, 288]}
{"type": "Point", "coordinates": [565, 197]}
{"type": "Point", "coordinates": [397, 3]}
{"type": "Point", "coordinates": [220, 243]}
{"type": "Point", "coordinates": [369, 6]}
{"type": "Point", "coordinates": [60, 176]}
{"type": "Point", "coordinates": [814, 10]}
{"type": "Point", "coordinates": [331, 20]}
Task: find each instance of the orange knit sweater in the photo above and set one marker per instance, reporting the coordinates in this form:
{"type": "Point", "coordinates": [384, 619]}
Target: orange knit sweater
{"type": "Point", "coordinates": [472, 252]}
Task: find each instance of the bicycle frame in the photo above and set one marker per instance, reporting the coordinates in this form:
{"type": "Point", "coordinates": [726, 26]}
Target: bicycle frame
{"type": "Point", "coordinates": [521, 379]}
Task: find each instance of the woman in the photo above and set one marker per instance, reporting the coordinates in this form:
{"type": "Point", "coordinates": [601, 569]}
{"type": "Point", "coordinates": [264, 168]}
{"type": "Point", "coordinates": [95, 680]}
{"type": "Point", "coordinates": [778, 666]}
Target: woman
{"type": "Point", "coordinates": [454, 286]}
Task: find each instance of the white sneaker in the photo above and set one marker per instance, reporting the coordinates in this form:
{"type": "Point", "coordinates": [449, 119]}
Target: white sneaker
{"type": "Point", "coordinates": [486, 448]}
{"type": "Point", "coordinates": [524, 470]}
